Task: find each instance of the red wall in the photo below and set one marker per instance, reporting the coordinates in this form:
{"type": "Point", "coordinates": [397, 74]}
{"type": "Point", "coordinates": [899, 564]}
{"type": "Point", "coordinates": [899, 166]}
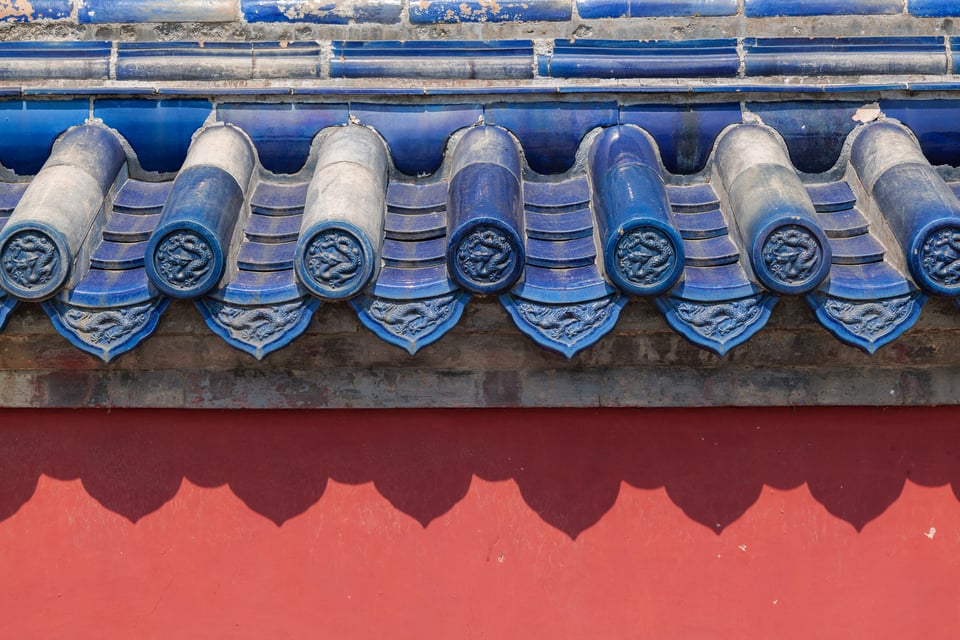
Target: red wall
{"type": "Point", "coordinates": [780, 523]}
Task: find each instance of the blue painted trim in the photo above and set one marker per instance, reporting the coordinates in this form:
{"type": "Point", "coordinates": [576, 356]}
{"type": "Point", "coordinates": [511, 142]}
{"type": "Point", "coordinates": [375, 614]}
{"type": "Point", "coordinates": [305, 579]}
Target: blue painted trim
{"type": "Point", "coordinates": [205, 201]}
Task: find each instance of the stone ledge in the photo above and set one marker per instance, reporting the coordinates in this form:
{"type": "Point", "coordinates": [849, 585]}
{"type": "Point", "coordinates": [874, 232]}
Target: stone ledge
{"type": "Point", "coordinates": [485, 362]}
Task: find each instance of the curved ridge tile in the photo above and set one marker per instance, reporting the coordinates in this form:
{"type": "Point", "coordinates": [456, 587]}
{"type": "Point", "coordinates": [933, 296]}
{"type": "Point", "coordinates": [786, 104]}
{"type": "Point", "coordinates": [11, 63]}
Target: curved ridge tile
{"type": "Point", "coordinates": [46, 232]}
{"type": "Point", "coordinates": [642, 252]}
{"type": "Point", "coordinates": [186, 255]}
{"type": "Point", "coordinates": [867, 302]}
{"type": "Point", "coordinates": [920, 208]}
{"type": "Point", "coordinates": [341, 234]}
{"type": "Point", "coordinates": [787, 248]}
{"type": "Point", "coordinates": [485, 220]}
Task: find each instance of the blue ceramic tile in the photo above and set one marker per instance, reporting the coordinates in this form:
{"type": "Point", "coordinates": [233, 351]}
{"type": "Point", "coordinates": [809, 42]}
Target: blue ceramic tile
{"type": "Point", "coordinates": [400, 253]}
{"type": "Point", "coordinates": [158, 130]}
{"type": "Point", "coordinates": [286, 60]}
{"type": "Point", "coordinates": [251, 288]}
{"type": "Point", "coordinates": [416, 197]}
{"type": "Point", "coordinates": [920, 208]}
{"type": "Point", "coordinates": [555, 197]}
{"type": "Point", "coordinates": [184, 61]}
{"type": "Point", "coordinates": [562, 286]}
{"type": "Point", "coordinates": [421, 226]}
{"type": "Point", "coordinates": [693, 198]}
{"type": "Point", "coordinates": [874, 280]}
{"type": "Point", "coordinates": [30, 60]}
{"type": "Point", "coordinates": [106, 332]}
{"type": "Point", "coordinates": [550, 132]}
{"type": "Point", "coordinates": [710, 252]}
{"type": "Point", "coordinates": [765, 8]}
{"type": "Point", "coordinates": [29, 128]}
{"type": "Point", "coordinates": [933, 8]}
{"type": "Point", "coordinates": [7, 304]}
{"type": "Point", "coordinates": [565, 225]}
{"type": "Point", "coordinates": [101, 11]}
{"type": "Point", "coordinates": [451, 11]}
{"type": "Point", "coordinates": [565, 328]}
{"type": "Point", "coordinates": [591, 9]}
{"type": "Point", "coordinates": [831, 196]}
{"type": "Point", "coordinates": [332, 12]}
{"type": "Point", "coordinates": [410, 324]}
{"type": "Point", "coordinates": [715, 284]}
{"type": "Point", "coordinates": [932, 122]}
{"type": "Point", "coordinates": [117, 255]}
{"type": "Point", "coordinates": [685, 134]}
{"type": "Point", "coordinates": [437, 59]}
{"type": "Point", "coordinates": [845, 56]}
{"type": "Point", "coordinates": [867, 324]}
{"type": "Point", "coordinates": [410, 282]}
{"type": "Point", "coordinates": [258, 329]}
{"type": "Point", "coordinates": [261, 228]}
{"type": "Point", "coordinates": [141, 197]}
{"type": "Point", "coordinates": [702, 225]}
{"type": "Point", "coordinates": [112, 288]}
{"type": "Point", "coordinates": [642, 251]}
{"type": "Point", "coordinates": [257, 256]}
{"type": "Point", "coordinates": [717, 326]}
{"type": "Point", "coordinates": [10, 194]}
{"type": "Point", "coordinates": [641, 59]}
{"type": "Point", "coordinates": [814, 131]}
{"type": "Point", "coordinates": [282, 133]}
{"type": "Point", "coordinates": [125, 227]}
{"type": "Point", "coordinates": [844, 224]}
{"type": "Point", "coordinates": [485, 212]}
{"type": "Point", "coordinates": [416, 134]}
{"type": "Point", "coordinates": [860, 249]}
{"type": "Point", "coordinates": [186, 255]}
{"type": "Point", "coordinates": [558, 254]}
{"type": "Point", "coordinates": [36, 10]}
{"type": "Point", "coordinates": [279, 198]}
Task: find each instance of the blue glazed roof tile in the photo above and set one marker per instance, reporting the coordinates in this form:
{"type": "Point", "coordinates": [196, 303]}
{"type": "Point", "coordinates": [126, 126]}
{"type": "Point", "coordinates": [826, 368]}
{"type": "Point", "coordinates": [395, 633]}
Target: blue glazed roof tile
{"type": "Point", "coordinates": [573, 230]}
